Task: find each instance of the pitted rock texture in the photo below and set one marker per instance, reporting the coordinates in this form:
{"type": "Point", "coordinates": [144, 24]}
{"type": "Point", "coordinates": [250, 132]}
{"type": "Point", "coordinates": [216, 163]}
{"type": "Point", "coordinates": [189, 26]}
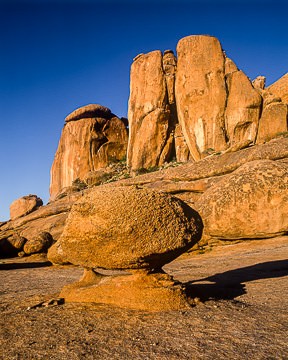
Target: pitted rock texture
{"type": "Point", "coordinates": [24, 206]}
{"type": "Point", "coordinates": [250, 203]}
{"type": "Point", "coordinates": [87, 144]}
{"type": "Point", "coordinates": [39, 244]}
{"type": "Point", "coordinates": [128, 228]}
{"type": "Point", "coordinates": [55, 255]}
{"type": "Point", "coordinates": [280, 88]}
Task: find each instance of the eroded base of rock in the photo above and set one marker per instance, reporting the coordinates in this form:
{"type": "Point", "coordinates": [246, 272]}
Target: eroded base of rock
{"type": "Point", "coordinates": [139, 291]}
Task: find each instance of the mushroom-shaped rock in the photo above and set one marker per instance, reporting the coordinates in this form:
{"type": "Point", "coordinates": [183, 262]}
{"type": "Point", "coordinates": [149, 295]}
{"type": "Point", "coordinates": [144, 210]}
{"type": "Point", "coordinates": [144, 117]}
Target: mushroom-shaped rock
{"type": "Point", "coordinates": [129, 228]}
{"type": "Point", "coordinates": [133, 229]}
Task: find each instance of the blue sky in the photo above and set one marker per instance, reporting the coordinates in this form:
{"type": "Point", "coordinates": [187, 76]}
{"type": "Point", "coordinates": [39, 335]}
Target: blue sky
{"type": "Point", "coordinates": [56, 56]}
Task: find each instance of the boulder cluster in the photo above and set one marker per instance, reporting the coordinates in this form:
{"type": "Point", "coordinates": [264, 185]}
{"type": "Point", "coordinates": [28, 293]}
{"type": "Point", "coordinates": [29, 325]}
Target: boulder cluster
{"type": "Point", "coordinates": [218, 147]}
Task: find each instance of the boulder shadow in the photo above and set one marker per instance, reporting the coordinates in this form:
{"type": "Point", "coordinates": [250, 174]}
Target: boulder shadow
{"type": "Point", "coordinates": [230, 284]}
{"type": "Point", "coordinates": [31, 265]}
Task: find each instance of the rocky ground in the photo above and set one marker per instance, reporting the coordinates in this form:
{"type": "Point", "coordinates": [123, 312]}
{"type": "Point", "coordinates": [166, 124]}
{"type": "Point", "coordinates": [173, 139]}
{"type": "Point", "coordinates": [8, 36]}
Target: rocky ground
{"type": "Point", "coordinates": [242, 312]}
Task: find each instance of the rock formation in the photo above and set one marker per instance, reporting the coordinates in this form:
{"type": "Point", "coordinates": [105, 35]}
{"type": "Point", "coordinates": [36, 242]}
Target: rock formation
{"type": "Point", "coordinates": [39, 244]}
{"type": "Point", "coordinates": [92, 138]}
{"type": "Point", "coordinates": [250, 203]}
{"type": "Point", "coordinates": [139, 230]}
{"type": "Point", "coordinates": [280, 88]}
{"type": "Point", "coordinates": [24, 206]}
{"type": "Point", "coordinates": [200, 91]}
{"type": "Point", "coordinates": [243, 108]}
{"type": "Point", "coordinates": [11, 245]}
{"type": "Point", "coordinates": [148, 112]}
{"type": "Point", "coordinates": [198, 104]}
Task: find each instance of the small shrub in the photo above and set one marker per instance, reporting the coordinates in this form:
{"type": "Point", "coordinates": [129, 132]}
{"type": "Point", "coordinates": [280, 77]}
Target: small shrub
{"type": "Point", "coordinates": [283, 133]}
{"type": "Point", "coordinates": [80, 184]}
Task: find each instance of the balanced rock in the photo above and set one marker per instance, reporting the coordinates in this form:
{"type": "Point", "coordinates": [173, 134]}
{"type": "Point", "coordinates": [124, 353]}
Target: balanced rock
{"type": "Point", "coordinates": [250, 203]}
{"type": "Point", "coordinates": [134, 229]}
{"type": "Point", "coordinates": [92, 138]}
{"type": "Point", "coordinates": [39, 244]}
{"type": "Point", "coordinates": [128, 228]}
{"type": "Point", "coordinates": [24, 206]}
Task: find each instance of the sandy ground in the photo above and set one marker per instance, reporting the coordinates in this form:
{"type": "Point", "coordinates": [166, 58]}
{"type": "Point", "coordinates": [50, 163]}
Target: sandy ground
{"type": "Point", "coordinates": [243, 312]}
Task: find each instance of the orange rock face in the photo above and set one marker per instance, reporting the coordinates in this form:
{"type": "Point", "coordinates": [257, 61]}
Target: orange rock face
{"type": "Point", "coordinates": [200, 91]}
{"type": "Point", "coordinates": [280, 88]}
{"type": "Point", "coordinates": [273, 121]}
{"type": "Point", "coordinates": [91, 138]}
{"type": "Point", "coordinates": [24, 206]}
{"type": "Point", "coordinates": [197, 104]}
{"type": "Point", "coordinates": [243, 108]}
{"type": "Point", "coordinates": [148, 113]}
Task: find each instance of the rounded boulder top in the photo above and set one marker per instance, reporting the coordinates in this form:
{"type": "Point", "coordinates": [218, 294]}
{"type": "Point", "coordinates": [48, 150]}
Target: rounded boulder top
{"type": "Point", "coordinates": [89, 111]}
{"type": "Point", "coordinates": [129, 228]}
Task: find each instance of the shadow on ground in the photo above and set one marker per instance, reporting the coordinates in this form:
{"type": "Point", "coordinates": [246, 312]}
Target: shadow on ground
{"type": "Point", "coordinates": [15, 266]}
{"type": "Point", "coordinates": [230, 284]}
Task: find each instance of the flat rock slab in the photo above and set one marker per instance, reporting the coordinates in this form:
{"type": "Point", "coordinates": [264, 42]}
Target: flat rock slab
{"type": "Point", "coordinates": [242, 326]}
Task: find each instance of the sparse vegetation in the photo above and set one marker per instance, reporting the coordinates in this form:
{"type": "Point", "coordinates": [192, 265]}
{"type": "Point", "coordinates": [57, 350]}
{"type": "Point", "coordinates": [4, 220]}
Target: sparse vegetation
{"type": "Point", "coordinates": [80, 184]}
{"type": "Point", "coordinates": [282, 134]}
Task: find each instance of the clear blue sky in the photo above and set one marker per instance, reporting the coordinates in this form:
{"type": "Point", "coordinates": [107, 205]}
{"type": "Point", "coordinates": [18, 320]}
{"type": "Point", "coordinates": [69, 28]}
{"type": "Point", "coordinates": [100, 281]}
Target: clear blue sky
{"type": "Point", "coordinates": [56, 56]}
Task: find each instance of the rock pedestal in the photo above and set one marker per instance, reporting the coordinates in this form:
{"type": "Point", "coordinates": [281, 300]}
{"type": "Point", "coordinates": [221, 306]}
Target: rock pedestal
{"type": "Point", "coordinates": [138, 230]}
{"type": "Point", "coordinates": [139, 291]}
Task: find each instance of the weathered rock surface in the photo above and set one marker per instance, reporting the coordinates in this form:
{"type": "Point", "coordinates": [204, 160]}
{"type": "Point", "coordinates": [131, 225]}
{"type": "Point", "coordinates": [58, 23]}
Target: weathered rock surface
{"type": "Point", "coordinates": [87, 144]}
{"type": "Point", "coordinates": [39, 244]}
{"type": "Point", "coordinates": [181, 148]}
{"type": "Point", "coordinates": [200, 91]}
{"type": "Point", "coordinates": [259, 82]}
{"type": "Point", "coordinates": [197, 104]}
{"type": "Point", "coordinates": [128, 228]}
{"type": "Point", "coordinates": [280, 88]}
{"type": "Point", "coordinates": [24, 206]}
{"type": "Point", "coordinates": [12, 245]}
{"type": "Point", "coordinates": [50, 218]}
{"type": "Point", "coordinates": [273, 121]}
{"type": "Point", "coordinates": [55, 255]}
{"type": "Point", "coordinates": [148, 113]}
{"type": "Point", "coordinates": [243, 108]}
{"type": "Point", "coordinates": [250, 203]}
